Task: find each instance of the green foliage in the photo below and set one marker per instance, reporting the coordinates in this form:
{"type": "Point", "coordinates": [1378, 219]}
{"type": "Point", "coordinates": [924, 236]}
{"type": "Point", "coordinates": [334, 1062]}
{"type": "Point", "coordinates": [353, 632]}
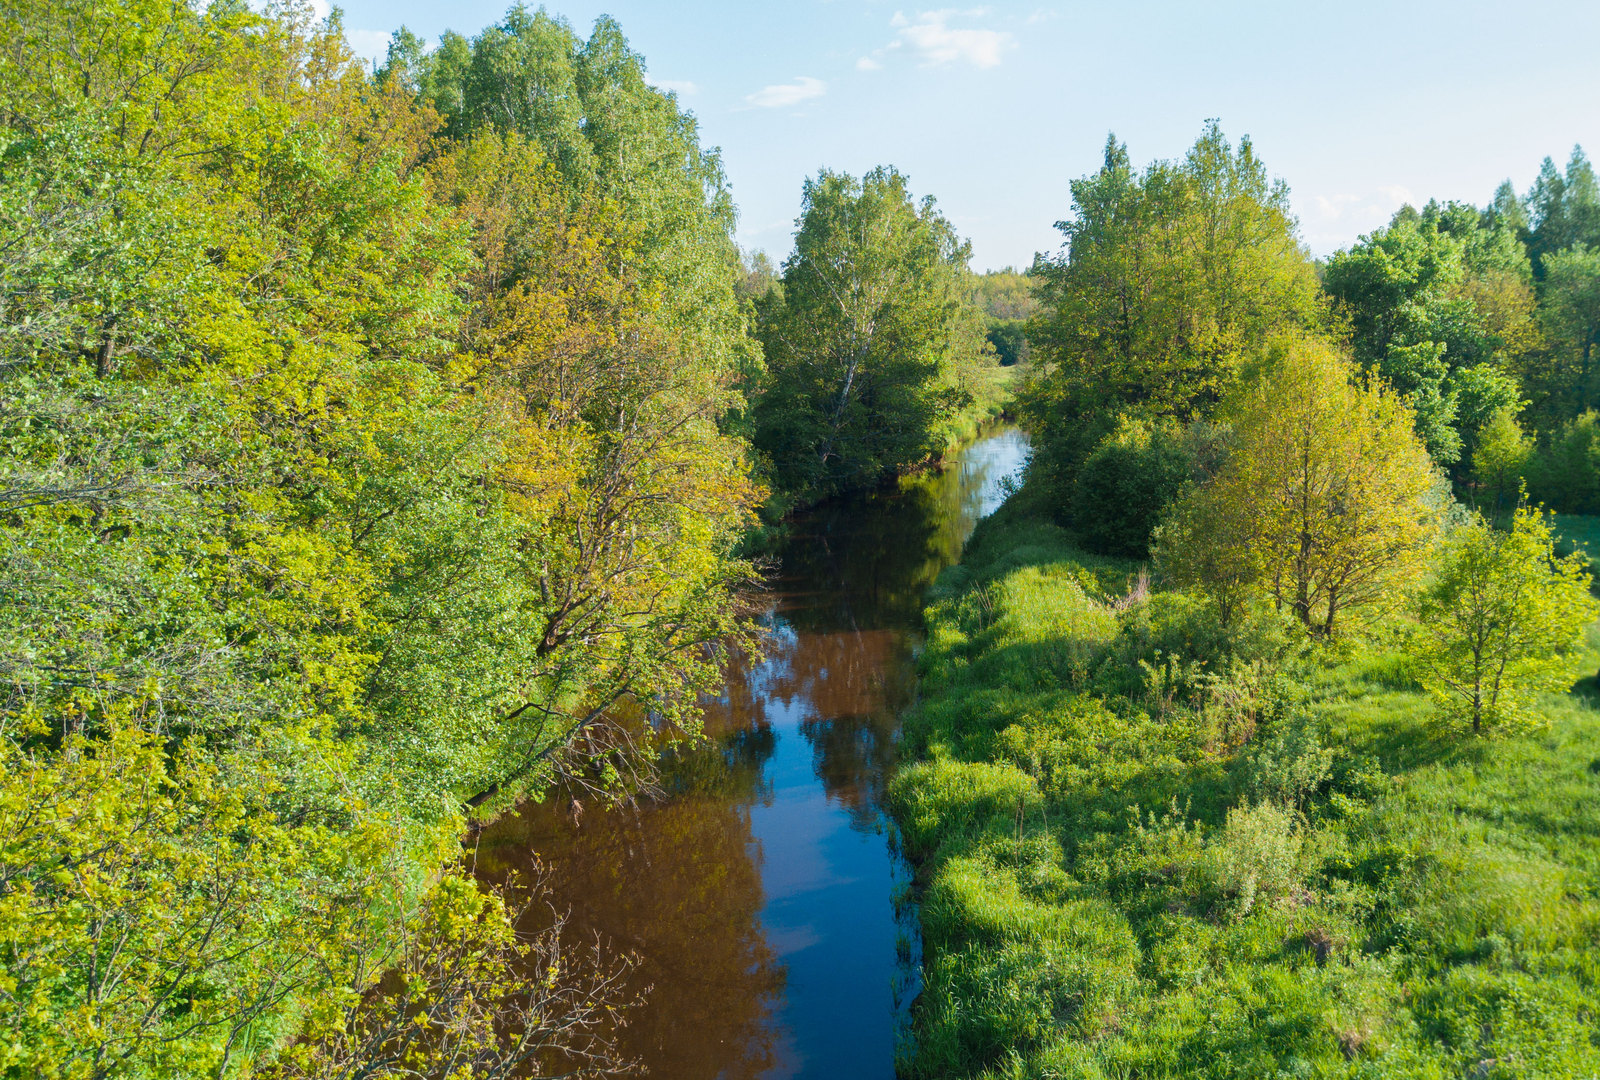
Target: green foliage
{"type": "Point", "coordinates": [1170, 280]}
{"type": "Point", "coordinates": [1008, 299]}
{"type": "Point", "coordinates": [1324, 502]}
{"type": "Point", "coordinates": [1565, 475]}
{"type": "Point", "coordinates": [1500, 460]}
{"type": "Point", "coordinates": [1128, 481]}
{"type": "Point", "coordinates": [1007, 295]}
{"type": "Point", "coordinates": [875, 342]}
{"type": "Point", "coordinates": [1502, 623]}
{"type": "Point", "coordinates": [473, 991]}
{"type": "Point", "coordinates": [610, 135]}
{"type": "Point", "coordinates": [1570, 310]}
{"type": "Point", "coordinates": [161, 918]}
{"type": "Point", "coordinates": [1439, 305]}
{"type": "Point", "coordinates": [1288, 766]}
{"type": "Point", "coordinates": [1009, 339]}
{"type": "Point", "coordinates": [1562, 209]}
{"type": "Point", "coordinates": [348, 476]}
{"type": "Point", "coordinates": [1576, 533]}
{"type": "Point", "coordinates": [1468, 312]}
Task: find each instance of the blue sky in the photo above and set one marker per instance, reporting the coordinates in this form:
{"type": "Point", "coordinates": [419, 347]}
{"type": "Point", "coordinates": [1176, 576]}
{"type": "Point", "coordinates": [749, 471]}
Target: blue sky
{"type": "Point", "coordinates": [993, 109]}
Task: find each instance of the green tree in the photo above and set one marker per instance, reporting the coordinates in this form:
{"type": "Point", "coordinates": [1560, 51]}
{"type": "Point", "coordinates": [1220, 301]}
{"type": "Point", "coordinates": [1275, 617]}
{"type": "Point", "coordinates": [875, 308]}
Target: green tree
{"type": "Point", "coordinates": [1500, 460]}
{"type": "Point", "coordinates": [1009, 301]}
{"type": "Point", "coordinates": [609, 134]}
{"type": "Point", "coordinates": [473, 991]}
{"type": "Point", "coordinates": [1007, 295]}
{"type": "Point", "coordinates": [1565, 474]}
{"type": "Point", "coordinates": [1563, 208]}
{"type": "Point", "coordinates": [347, 477]}
{"type": "Point", "coordinates": [1570, 311]}
{"type": "Point", "coordinates": [1009, 339]}
{"type": "Point", "coordinates": [1326, 498]}
{"type": "Point", "coordinates": [1439, 304]}
{"type": "Point", "coordinates": [1127, 483]}
{"type": "Point", "coordinates": [1501, 623]}
{"type": "Point", "coordinates": [1170, 278]}
{"type": "Point", "coordinates": [875, 340]}
{"type": "Point", "coordinates": [760, 275]}
{"type": "Point", "coordinates": [1507, 209]}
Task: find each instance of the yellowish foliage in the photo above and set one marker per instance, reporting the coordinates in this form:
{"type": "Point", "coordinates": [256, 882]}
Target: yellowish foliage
{"type": "Point", "coordinates": [1325, 501]}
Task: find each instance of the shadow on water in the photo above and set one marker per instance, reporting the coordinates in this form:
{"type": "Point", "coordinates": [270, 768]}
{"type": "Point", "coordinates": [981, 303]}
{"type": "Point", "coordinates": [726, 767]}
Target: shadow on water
{"type": "Point", "coordinates": [757, 892]}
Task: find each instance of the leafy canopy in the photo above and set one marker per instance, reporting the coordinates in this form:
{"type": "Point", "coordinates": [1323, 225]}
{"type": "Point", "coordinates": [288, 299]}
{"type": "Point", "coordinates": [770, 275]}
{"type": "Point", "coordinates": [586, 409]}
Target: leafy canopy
{"type": "Point", "coordinates": [1169, 280]}
{"type": "Point", "coordinates": [349, 475]}
{"type": "Point", "coordinates": [1440, 305]}
{"type": "Point", "coordinates": [874, 340]}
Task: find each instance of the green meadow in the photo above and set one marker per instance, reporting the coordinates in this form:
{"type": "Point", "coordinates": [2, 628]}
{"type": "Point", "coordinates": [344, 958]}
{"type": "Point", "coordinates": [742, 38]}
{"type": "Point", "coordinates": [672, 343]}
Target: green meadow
{"type": "Point", "coordinates": [1148, 846]}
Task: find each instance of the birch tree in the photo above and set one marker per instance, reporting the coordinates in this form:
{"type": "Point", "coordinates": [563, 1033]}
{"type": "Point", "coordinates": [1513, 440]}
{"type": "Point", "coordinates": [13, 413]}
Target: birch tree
{"type": "Point", "coordinates": [874, 340]}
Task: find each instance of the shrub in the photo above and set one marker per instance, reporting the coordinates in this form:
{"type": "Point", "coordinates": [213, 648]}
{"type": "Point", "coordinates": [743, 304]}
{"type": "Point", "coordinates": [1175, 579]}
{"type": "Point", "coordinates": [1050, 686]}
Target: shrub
{"type": "Point", "coordinates": [1010, 340]}
{"type": "Point", "coordinates": [1287, 765]}
{"type": "Point", "coordinates": [1258, 858]}
{"type": "Point", "coordinates": [1127, 482]}
{"type": "Point", "coordinates": [1190, 628]}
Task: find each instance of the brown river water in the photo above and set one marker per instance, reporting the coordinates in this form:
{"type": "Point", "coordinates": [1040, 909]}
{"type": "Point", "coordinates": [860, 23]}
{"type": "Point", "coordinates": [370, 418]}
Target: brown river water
{"type": "Point", "coordinates": [763, 893]}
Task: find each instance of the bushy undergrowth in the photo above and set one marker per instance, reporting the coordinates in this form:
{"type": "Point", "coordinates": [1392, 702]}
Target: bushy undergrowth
{"type": "Point", "coordinates": [1151, 847]}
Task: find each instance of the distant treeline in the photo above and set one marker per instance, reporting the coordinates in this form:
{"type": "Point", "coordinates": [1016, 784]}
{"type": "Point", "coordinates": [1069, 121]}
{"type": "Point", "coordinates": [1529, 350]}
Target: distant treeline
{"type": "Point", "coordinates": [1008, 300]}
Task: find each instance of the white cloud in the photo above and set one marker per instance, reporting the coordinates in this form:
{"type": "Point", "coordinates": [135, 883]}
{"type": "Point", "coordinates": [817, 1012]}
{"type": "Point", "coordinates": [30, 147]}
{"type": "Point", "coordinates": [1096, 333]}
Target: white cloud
{"type": "Point", "coordinates": [1397, 195]}
{"type": "Point", "coordinates": [1330, 222]}
{"type": "Point", "coordinates": [371, 44]}
{"type": "Point", "coordinates": [931, 37]}
{"type": "Point", "coordinates": [681, 87]}
{"type": "Point", "coordinates": [867, 63]}
{"type": "Point", "coordinates": [1332, 207]}
{"type": "Point", "coordinates": [804, 88]}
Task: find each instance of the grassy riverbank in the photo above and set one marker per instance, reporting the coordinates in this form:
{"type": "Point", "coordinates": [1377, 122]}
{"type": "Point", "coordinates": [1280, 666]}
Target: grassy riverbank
{"type": "Point", "coordinates": [993, 389]}
{"type": "Point", "coordinates": [1152, 848]}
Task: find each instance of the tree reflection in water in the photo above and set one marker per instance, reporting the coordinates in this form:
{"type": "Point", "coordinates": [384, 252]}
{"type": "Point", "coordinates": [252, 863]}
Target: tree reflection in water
{"type": "Point", "coordinates": [853, 581]}
{"type": "Point", "coordinates": [768, 941]}
{"type": "Point", "coordinates": [675, 883]}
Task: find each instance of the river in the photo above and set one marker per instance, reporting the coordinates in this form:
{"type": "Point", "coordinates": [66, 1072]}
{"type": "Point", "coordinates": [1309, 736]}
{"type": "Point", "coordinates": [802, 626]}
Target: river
{"type": "Point", "coordinates": [763, 894]}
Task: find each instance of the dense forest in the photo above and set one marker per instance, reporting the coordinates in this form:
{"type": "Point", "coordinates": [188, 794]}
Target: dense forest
{"type": "Point", "coordinates": [382, 446]}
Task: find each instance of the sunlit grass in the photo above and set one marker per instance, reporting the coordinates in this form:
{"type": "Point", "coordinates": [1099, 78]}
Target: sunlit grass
{"type": "Point", "coordinates": [993, 387]}
{"type": "Point", "coordinates": [1106, 892]}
